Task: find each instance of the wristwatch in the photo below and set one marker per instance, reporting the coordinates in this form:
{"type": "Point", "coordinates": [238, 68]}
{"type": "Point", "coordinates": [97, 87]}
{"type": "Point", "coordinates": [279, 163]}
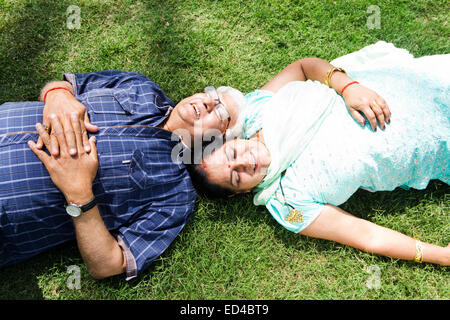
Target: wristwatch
{"type": "Point", "coordinates": [75, 210]}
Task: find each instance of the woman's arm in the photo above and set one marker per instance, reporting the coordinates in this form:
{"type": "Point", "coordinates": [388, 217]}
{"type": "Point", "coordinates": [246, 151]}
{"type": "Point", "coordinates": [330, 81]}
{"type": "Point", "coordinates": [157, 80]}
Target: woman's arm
{"type": "Point", "coordinates": [302, 70]}
{"type": "Point", "coordinates": [357, 97]}
{"type": "Point", "coordinates": [337, 225]}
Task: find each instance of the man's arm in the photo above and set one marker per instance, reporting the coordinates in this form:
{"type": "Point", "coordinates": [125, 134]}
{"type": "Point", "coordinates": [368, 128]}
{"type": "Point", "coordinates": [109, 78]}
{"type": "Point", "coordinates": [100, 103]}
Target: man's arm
{"type": "Point", "coordinates": [74, 176]}
{"type": "Point", "coordinates": [62, 103]}
{"type": "Point", "coordinates": [337, 225]}
{"type": "Point", "coordinates": [100, 251]}
{"type": "Point", "coordinates": [56, 84]}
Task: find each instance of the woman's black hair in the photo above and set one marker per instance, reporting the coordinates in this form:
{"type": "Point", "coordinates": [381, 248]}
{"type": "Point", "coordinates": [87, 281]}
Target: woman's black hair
{"type": "Point", "coordinates": [206, 187]}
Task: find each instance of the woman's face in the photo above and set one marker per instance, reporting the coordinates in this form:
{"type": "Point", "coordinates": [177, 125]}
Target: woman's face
{"type": "Point", "coordinates": [238, 165]}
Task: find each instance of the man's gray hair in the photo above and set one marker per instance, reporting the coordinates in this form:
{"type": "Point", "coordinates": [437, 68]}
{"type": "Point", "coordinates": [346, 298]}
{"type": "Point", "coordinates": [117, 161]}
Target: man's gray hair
{"type": "Point", "coordinates": [239, 99]}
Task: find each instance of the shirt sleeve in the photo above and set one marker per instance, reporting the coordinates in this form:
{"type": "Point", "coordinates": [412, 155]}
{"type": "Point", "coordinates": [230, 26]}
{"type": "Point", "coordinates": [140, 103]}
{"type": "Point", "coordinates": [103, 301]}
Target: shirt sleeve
{"type": "Point", "coordinates": [131, 271]}
{"type": "Point", "coordinates": [148, 237]}
{"type": "Point", "coordinates": [111, 79]}
{"type": "Point", "coordinates": [307, 211]}
{"type": "Point", "coordinates": [142, 94]}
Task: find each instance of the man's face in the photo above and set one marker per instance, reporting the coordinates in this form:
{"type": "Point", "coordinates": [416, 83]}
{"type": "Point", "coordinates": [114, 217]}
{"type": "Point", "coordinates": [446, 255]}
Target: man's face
{"type": "Point", "coordinates": [198, 117]}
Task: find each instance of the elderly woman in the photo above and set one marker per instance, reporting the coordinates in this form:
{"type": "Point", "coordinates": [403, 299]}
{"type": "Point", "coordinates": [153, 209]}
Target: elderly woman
{"type": "Point", "coordinates": [305, 155]}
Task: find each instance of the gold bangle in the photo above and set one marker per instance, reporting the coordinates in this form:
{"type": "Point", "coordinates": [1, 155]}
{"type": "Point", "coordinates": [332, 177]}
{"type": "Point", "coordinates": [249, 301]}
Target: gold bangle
{"type": "Point", "coordinates": [419, 252]}
{"type": "Point", "coordinates": [330, 73]}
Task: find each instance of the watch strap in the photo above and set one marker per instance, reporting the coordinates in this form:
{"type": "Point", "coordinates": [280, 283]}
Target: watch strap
{"type": "Point", "coordinates": [89, 205]}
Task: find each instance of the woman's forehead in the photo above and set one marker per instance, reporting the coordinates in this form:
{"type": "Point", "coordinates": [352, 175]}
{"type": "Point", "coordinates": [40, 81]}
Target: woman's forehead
{"type": "Point", "coordinates": [221, 154]}
{"type": "Point", "coordinates": [217, 170]}
{"type": "Point", "coordinates": [240, 144]}
{"type": "Point", "coordinates": [217, 157]}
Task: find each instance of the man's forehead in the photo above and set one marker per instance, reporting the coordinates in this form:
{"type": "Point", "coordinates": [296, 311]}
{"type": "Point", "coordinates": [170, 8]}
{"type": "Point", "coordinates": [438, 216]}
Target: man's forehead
{"type": "Point", "coordinates": [230, 105]}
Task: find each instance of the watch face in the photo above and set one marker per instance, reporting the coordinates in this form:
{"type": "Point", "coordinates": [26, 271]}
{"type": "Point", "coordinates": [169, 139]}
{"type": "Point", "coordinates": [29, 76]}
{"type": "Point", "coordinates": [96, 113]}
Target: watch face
{"type": "Point", "coordinates": [73, 210]}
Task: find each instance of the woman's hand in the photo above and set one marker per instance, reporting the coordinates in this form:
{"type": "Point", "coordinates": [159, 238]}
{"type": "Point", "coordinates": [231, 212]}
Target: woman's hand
{"type": "Point", "coordinates": [62, 104]}
{"type": "Point", "coordinates": [73, 175]}
{"type": "Point", "coordinates": [446, 258]}
{"type": "Point", "coordinates": [357, 97]}
{"type": "Point", "coordinates": [361, 99]}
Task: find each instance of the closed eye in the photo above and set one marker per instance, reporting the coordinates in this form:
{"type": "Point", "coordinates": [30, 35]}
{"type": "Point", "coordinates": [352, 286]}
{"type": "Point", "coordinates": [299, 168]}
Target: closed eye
{"type": "Point", "coordinates": [237, 178]}
{"type": "Point", "coordinates": [231, 154]}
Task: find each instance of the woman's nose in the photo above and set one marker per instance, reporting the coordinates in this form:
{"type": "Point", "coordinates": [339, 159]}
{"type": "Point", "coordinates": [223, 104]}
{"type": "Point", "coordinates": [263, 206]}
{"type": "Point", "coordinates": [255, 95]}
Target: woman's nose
{"type": "Point", "coordinates": [243, 162]}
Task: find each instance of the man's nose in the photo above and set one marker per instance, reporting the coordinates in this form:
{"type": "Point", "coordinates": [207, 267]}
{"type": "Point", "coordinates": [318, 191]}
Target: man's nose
{"type": "Point", "coordinates": [209, 102]}
{"type": "Point", "coordinates": [206, 100]}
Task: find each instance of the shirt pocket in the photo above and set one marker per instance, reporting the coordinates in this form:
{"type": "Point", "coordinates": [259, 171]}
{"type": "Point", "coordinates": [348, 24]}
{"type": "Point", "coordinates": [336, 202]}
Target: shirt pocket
{"type": "Point", "coordinates": [114, 171]}
{"type": "Point", "coordinates": [137, 170]}
{"type": "Point", "coordinates": [123, 171]}
{"type": "Point", "coordinates": [108, 101]}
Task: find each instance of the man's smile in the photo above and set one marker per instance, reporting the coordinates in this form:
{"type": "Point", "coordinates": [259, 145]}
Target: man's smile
{"type": "Point", "coordinates": [197, 111]}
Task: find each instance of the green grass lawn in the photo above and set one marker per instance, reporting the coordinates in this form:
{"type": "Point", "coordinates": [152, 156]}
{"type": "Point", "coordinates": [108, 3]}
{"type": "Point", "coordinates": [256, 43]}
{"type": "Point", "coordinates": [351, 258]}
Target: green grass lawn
{"type": "Point", "coordinates": [230, 249]}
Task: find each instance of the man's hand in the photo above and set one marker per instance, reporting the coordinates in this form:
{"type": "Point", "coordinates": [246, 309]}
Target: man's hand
{"type": "Point", "coordinates": [62, 103]}
{"type": "Point", "coordinates": [361, 99]}
{"type": "Point", "coordinates": [73, 175]}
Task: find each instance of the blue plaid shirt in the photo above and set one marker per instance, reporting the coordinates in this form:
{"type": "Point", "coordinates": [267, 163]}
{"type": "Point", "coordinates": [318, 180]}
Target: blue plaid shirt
{"type": "Point", "coordinates": [144, 197]}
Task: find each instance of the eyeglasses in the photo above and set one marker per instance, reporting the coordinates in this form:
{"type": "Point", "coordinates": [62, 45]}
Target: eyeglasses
{"type": "Point", "coordinates": [219, 108]}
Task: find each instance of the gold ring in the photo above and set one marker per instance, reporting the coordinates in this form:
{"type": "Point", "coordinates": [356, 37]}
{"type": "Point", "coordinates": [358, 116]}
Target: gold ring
{"type": "Point", "coordinates": [47, 129]}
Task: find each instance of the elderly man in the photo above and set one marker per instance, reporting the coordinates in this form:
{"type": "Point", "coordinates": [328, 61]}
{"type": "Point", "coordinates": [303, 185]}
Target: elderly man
{"type": "Point", "coordinates": [120, 193]}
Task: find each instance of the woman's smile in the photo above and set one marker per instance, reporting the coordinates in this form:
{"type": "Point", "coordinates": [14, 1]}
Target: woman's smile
{"type": "Point", "coordinates": [255, 164]}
